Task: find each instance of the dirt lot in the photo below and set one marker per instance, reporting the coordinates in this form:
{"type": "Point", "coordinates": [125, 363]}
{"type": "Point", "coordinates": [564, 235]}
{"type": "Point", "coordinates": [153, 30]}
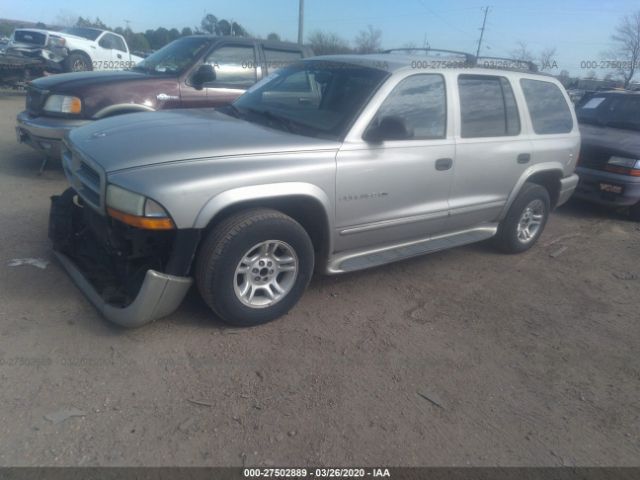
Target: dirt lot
{"type": "Point", "coordinates": [465, 357]}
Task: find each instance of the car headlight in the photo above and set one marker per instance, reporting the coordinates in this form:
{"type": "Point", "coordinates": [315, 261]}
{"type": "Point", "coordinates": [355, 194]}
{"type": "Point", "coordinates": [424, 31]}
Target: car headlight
{"type": "Point", "coordinates": [63, 104]}
{"type": "Point", "coordinates": [137, 210]}
{"type": "Point", "coordinates": [57, 41]}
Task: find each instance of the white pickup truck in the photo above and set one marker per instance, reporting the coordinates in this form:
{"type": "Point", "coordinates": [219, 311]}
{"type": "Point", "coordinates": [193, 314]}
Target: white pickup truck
{"type": "Point", "coordinates": [73, 49]}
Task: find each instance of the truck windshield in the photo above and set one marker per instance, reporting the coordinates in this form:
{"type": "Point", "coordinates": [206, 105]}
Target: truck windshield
{"type": "Point", "coordinates": [175, 57]}
{"type": "Point", "coordinates": [88, 33]}
{"type": "Point", "coordinates": [317, 98]}
{"type": "Point", "coordinates": [615, 111]}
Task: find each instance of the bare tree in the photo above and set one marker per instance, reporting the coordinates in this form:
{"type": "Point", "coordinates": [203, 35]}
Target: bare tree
{"type": "Point", "coordinates": [564, 77]}
{"type": "Point", "coordinates": [627, 38]}
{"type": "Point", "coordinates": [209, 24]}
{"type": "Point", "coordinates": [324, 43]}
{"type": "Point", "coordinates": [546, 59]}
{"type": "Point", "coordinates": [369, 40]}
{"type": "Point", "coordinates": [591, 75]}
{"type": "Point", "coordinates": [522, 52]}
{"type": "Point", "coordinates": [273, 36]}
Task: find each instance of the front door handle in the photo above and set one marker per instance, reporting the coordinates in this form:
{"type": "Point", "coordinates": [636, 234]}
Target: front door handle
{"type": "Point", "coordinates": [444, 164]}
{"type": "Point", "coordinates": [524, 158]}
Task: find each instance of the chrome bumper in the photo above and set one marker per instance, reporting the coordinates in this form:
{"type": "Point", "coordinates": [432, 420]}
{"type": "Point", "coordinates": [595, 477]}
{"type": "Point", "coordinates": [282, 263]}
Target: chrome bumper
{"type": "Point", "coordinates": [159, 296]}
{"type": "Point", "coordinates": [567, 187]}
{"type": "Point", "coordinates": [45, 134]}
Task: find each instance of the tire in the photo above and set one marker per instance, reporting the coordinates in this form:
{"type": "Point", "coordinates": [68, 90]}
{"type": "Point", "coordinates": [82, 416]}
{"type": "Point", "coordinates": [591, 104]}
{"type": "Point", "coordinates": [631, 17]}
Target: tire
{"type": "Point", "coordinates": [516, 237]}
{"type": "Point", "coordinates": [77, 62]}
{"type": "Point", "coordinates": [634, 212]}
{"type": "Point", "coordinates": [229, 266]}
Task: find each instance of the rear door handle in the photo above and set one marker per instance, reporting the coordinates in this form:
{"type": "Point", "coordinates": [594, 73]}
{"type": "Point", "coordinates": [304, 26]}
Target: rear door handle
{"type": "Point", "coordinates": [444, 164]}
{"type": "Point", "coordinates": [524, 158]}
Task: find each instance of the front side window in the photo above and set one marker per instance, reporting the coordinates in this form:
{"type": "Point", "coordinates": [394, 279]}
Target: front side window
{"type": "Point", "coordinates": [487, 107]}
{"type": "Point", "coordinates": [547, 106]}
{"type": "Point", "coordinates": [235, 65]}
{"type": "Point", "coordinates": [313, 97]}
{"type": "Point", "coordinates": [419, 101]}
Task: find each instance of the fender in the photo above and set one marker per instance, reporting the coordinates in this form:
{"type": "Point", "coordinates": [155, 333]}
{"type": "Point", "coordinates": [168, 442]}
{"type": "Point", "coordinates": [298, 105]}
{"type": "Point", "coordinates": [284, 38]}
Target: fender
{"type": "Point", "coordinates": [555, 167]}
{"type": "Point", "coordinates": [263, 192]}
{"type": "Point", "coordinates": [122, 107]}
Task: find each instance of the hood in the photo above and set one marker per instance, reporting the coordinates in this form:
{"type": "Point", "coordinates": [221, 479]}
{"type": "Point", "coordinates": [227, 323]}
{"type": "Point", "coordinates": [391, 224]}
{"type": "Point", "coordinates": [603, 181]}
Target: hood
{"type": "Point", "coordinates": [617, 141]}
{"type": "Point", "coordinates": [146, 139]}
{"type": "Point", "coordinates": [83, 80]}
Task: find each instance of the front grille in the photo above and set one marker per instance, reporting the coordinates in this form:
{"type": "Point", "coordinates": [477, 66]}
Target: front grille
{"type": "Point", "coordinates": [35, 99]}
{"type": "Point", "coordinates": [85, 178]}
{"type": "Point", "coordinates": [29, 37]}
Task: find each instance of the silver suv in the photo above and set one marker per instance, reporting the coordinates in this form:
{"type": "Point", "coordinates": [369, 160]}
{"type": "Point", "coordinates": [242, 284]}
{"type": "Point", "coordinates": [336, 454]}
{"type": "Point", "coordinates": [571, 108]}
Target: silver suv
{"type": "Point", "coordinates": [334, 163]}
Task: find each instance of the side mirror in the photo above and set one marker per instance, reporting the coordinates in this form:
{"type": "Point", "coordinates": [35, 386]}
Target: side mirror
{"type": "Point", "coordinates": [388, 128]}
{"type": "Point", "coordinates": [205, 74]}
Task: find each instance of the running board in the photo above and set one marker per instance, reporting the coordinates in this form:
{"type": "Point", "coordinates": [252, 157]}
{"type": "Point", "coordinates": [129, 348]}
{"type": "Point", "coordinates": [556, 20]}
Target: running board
{"type": "Point", "coordinates": [351, 261]}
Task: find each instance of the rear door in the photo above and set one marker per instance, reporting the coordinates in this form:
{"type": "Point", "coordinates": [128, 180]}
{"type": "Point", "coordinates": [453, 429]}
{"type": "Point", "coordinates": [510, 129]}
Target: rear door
{"type": "Point", "coordinates": [491, 150]}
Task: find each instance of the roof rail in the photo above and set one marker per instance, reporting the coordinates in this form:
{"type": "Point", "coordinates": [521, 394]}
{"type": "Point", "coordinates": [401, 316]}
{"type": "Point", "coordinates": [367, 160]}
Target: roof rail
{"type": "Point", "coordinates": [504, 63]}
{"type": "Point", "coordinates": [469, 58]}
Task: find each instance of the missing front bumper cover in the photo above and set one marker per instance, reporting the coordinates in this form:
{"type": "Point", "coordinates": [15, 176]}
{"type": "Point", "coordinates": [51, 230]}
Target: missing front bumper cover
{"type": "Point", "coordinates": [128, 292]}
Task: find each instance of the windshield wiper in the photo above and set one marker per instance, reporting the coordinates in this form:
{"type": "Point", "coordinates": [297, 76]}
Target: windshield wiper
{"type": "Point", "coordinates": [232, 110]}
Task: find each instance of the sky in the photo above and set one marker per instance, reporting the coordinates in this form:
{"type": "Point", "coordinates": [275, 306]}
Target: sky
{"type": "Point", "coordinates": [580, 30]}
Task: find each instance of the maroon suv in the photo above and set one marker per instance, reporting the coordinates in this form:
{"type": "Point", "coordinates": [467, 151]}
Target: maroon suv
{"type": "Point", "coordinates": [195, 71]}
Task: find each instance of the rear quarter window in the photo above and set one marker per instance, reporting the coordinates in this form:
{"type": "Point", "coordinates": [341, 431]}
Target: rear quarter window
{"type": "Point", "coordinates": [547, 106]}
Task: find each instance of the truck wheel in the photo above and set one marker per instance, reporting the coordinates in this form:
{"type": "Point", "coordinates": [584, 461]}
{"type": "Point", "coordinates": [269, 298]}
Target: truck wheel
{"type": "Point", "coordinates": [77, 62]}
{"type": "Point", "coordinates": [525, 220]}
{"type": "Point", "coordinates": [634, 212]}
{"type": "Point", "coordinates": [254, 266]}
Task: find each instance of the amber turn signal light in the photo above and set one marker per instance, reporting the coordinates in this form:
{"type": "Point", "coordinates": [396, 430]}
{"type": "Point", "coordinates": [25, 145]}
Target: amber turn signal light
{"type": "Point", "coordinates": [147, 223]}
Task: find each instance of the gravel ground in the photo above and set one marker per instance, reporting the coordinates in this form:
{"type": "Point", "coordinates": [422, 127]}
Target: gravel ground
{"type": "Point", "coordinates": [464, 357]}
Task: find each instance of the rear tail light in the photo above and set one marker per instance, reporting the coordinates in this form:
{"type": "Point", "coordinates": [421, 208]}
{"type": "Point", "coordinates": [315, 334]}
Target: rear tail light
{"type": "Point", "coordinates": [623, 166]}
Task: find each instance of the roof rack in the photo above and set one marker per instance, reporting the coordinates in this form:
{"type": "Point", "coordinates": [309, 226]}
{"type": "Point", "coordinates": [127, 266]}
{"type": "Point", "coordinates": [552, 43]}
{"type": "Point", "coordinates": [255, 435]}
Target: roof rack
{"type": "Point", "coordinates": [504, 63]}
{"type": "Point", "coordinates": [469, 58]}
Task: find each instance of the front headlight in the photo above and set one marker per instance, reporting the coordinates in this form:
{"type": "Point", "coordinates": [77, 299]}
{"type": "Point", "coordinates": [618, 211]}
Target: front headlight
{"type": "Point", "coordinates": [56, 41]}
{"type": "Point", "coordinates": [137, 210]}
{"type": "Point", "coordinates": [63, 104]}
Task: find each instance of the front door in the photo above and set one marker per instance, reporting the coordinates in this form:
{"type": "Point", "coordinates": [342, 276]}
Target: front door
{"type": "Point", "coordinates": [397, 190]}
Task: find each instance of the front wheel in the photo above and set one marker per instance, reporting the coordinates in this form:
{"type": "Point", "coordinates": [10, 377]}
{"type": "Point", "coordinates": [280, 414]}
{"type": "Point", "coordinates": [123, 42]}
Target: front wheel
{"type": "Point", "coordinates": [254, 266]}
{"type": "Point", "coordinates": [77, 62]}
{"type": "Point", "coordinates": [525, 220]}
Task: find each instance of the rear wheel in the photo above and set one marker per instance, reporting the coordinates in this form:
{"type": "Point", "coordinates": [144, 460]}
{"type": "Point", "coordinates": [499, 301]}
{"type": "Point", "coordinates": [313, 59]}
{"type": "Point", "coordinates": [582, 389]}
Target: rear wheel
{"type": "Point", "coordinates": [254, 266]}
{"type": "Point", "coordinates": [525, 220]}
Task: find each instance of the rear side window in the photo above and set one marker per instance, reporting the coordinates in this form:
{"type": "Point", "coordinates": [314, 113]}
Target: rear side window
{"type": "Point", "coordinates": [548, 108]}
{"type": "Point", "coordinates": [280, 58]}
{"type": "Point", "coordinates": [487, 107]}
{"type": "Point", "coordinates": [420, 101]}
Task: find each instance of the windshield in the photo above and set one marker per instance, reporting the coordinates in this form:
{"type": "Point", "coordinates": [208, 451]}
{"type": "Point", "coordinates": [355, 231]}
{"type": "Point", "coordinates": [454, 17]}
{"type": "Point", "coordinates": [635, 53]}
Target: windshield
{"type": "Point", "coordinates": [88, 33]}
{"type": "Point", "coordinates": [616, 111]}
{"type": "Point", "coordinates": [314, 98]}
{"type": "Point", "coordinates": [175, 57]}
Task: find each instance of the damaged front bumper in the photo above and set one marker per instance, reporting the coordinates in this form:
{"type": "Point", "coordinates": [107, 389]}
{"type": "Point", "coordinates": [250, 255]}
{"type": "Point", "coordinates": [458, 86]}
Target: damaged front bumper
{"type": "Point", "coordinates": [159, 296]}
{"type": "Point", "coordinates": [82, 250]}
